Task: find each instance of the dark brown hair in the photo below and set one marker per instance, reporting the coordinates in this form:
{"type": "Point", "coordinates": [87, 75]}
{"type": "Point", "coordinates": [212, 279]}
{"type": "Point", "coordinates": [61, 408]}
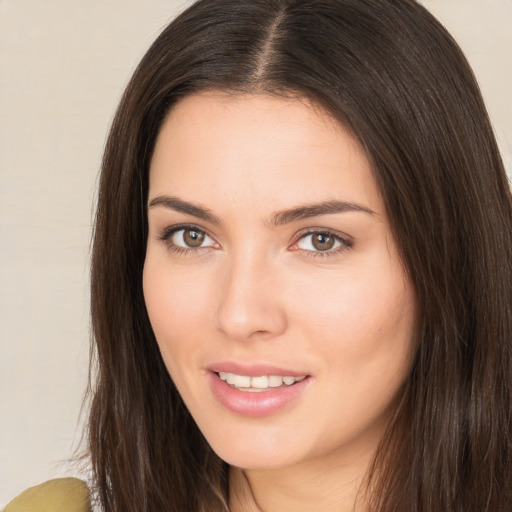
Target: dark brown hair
{"type": "Point", "coordinates": [389, 72]}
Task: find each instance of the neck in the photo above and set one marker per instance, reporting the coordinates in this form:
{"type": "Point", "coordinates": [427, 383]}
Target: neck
{"type": "Point", "coordinates": [327, 485]}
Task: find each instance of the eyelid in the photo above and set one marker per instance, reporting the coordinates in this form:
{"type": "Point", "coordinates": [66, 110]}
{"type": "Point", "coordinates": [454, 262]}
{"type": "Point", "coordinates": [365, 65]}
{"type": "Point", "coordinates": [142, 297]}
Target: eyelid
{"type": "Point", "coordinates": [166, 235]}
{"type": "Point", "coordinates": [346, 242]}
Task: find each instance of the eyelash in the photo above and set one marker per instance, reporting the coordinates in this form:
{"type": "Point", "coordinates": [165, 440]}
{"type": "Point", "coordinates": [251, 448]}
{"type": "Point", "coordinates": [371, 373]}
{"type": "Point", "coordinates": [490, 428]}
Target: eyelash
{"type": "Point", "coordinates": [345, 243]}
{"type": "Point", "coordinates": [171, 231]}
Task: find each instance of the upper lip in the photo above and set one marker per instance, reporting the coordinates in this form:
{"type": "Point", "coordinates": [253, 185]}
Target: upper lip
{"type": "Point", "coordinates": [252, 370]}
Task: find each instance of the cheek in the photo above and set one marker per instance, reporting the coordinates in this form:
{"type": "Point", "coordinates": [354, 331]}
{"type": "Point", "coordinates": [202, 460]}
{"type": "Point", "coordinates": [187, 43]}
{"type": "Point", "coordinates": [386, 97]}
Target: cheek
{"type": "Point", "coordinates": [363, 338]}
{"type": "Point", "coordinates": [361, 328]}
{"type": "Point", "coordinates": [368, 303]}
{"type": "Point", "coordinates": [176, 305]}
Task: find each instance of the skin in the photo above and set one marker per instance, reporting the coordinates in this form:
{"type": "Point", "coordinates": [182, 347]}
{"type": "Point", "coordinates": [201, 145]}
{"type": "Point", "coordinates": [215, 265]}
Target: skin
{"type": "Point", "coordinates": [257, 291]}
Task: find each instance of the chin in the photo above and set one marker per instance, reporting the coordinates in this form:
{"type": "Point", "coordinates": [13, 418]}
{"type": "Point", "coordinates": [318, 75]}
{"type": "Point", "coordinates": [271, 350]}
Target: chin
{"type": "Point", "coordinates": [254, 460]}
{"type": "Point", "coordinates": [257, 450]}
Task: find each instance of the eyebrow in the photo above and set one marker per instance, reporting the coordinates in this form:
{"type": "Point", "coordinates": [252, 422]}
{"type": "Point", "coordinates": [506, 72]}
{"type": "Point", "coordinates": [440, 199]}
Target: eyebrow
{"type": "Point", "coordinates": [178, 205]}
{"type": "Point", "coordinates": [315, 210]}
{"type": "Point", "coordinates": [278, 218]}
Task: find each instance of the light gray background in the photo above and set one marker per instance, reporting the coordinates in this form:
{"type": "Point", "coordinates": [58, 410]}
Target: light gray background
{"type": "Point", "coordinates": [63, 67]}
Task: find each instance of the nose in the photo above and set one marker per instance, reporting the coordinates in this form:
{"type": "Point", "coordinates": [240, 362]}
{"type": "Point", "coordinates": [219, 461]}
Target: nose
{"type": "Point", "coordinates": [250, 304]}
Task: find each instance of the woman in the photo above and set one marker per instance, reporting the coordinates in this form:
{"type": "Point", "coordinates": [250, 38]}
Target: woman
{"type": "Point", "coordinates": [302, 269]}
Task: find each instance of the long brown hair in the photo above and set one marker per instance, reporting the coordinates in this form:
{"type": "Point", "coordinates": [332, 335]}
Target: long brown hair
{"type": "Point", "coordinates": [389, 72]}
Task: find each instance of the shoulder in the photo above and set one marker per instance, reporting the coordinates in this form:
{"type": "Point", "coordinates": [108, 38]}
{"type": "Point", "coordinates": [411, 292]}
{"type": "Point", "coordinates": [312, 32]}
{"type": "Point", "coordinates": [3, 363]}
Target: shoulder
{"type": "Point", "coordinates": [59, 495]}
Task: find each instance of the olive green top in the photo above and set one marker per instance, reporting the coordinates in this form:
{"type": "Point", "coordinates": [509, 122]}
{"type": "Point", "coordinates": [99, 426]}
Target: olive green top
{"type": "Point", "coordinates": [59, 495]}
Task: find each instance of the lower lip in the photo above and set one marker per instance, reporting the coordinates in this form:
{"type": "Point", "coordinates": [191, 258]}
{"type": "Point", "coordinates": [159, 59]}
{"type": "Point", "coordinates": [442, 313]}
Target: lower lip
{"type": "Point", "coordinates": [255, 404]}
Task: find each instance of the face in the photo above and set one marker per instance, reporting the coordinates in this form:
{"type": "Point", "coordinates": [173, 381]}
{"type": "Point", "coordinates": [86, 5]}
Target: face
{"type": "Point", "coordinates": [272, 281]}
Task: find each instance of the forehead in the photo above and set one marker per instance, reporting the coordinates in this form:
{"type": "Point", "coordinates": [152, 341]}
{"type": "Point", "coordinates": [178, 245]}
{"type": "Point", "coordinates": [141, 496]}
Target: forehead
{"type": "Point", "coordinates": [216, 145]}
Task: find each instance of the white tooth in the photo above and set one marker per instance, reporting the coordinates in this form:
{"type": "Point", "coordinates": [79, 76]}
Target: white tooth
{"type": "Point", "coordinates": [259, 382]}
{"type": "Point", "coordinates": [262, 382]}
{"type": "Point", "coordinates": [242, 381]}
{"type": "Point", "coordinates": [274, 381]}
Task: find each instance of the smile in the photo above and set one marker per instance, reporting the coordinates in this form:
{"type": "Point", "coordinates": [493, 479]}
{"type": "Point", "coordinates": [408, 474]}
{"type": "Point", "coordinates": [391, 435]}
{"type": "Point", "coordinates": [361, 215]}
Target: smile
{"type": "Point", "coordinates": [257, 395]}
{"type": "Point", "coordinates": [259, 383]}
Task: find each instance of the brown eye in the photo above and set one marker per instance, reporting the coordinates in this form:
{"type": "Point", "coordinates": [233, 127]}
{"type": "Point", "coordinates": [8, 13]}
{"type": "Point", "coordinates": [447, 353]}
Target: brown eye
{"type": "Point", "coordinates": [189, 238]}
{"type": "Point", "coordinates": [193, 238]}
{"type": "Point", "coordinates": [322, 241]}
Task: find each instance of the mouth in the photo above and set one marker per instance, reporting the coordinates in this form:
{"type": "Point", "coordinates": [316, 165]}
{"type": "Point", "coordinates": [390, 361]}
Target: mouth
{"type": "Point", "coordinates": [265, 391]}
{"type": "Point", "coordinates": [258, 384]}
